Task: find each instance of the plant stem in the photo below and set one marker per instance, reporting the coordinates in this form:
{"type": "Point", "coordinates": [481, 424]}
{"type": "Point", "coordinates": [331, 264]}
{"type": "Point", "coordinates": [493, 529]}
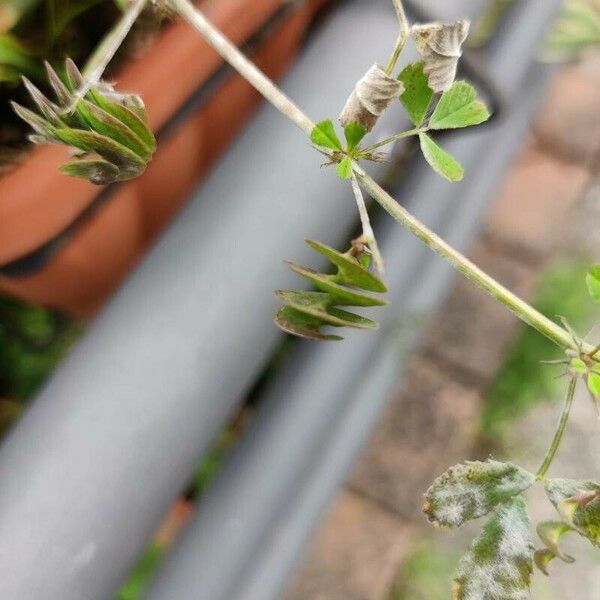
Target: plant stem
{"type": "Point", "coordinates": [104, 53]}
{"type": "Point", "coordinates": [404, 29]}
{"type": "Point", "coordinates": [367, 231]}
{"type": "Point", "coordinates": [396, 137]}
{"type": "Point", "coordinates": [277, 98]}
{"type": "Point", "coordinates": [560, 430]}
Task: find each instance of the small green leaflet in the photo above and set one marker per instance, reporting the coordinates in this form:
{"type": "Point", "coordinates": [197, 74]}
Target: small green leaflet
{"type": "Point", "coordinates": [473, 489]}
{"type": "Point", "coordinates": [459, 107]}
{"type": "Point", "coordinates": [499, 564]}
{"type": "Point", "coordinates": [578, 503]}
{"type": "Point", "coordinates": [344, 168]}
{"type": "Point", "coordinates": [324, 135]}
{"type": "Point", "coordinates": [550, 533]}
{"type": "Point", "coordinates": [417, 93]}
{"type": "Point", "coordinates": [440, 161]}
{"type": "Point", "coordinates": [592, 280]}
{"type": "Point", "coordinates": [354, 133]}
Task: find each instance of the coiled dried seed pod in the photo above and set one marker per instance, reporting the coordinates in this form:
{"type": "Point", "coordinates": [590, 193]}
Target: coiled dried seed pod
{"type": "Point", "coordinates": [371, 96]}
{"type": "Point", "coordinates": [107, 131]}
{"type": "Point", "coordinates": [440, 45]}
{"type": "Point", "coordinates": [304, 313]}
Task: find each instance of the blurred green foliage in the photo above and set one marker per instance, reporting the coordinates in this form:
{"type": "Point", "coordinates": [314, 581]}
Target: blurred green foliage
{"type": "Point", "coordinates": [32, 342]}
{"type": "Point", "coordinates": [425, 574]}
{"type": "Point", "coordinates": [523, 380]}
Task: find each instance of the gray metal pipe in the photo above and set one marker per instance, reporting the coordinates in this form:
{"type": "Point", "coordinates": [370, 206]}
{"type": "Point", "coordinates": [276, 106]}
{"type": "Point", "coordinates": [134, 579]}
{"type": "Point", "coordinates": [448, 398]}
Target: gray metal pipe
{"type": "Point", "coordinates": [96, 461]}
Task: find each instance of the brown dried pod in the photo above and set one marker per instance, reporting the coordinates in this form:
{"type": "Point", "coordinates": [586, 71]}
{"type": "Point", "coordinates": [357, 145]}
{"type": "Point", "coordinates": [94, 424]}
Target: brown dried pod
{"type": "Point", "coordinates": [440, 45]}
{"type": "Point", "coordinates": [371, 96]}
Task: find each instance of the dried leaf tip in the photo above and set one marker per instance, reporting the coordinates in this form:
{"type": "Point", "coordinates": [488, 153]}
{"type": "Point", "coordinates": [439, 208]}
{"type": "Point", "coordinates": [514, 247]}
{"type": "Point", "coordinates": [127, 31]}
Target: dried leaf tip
{"type": "Point", "coordinates": [440, 45]}
{"type": "Point", "coordinates": [372, 95]}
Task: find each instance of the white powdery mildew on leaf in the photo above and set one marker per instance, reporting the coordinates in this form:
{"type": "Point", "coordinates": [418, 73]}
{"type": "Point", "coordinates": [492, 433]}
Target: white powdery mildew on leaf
{"type": "Point", "coordinates": [473, 489]}
{"type": "Point", "coordinates": [500, 562]}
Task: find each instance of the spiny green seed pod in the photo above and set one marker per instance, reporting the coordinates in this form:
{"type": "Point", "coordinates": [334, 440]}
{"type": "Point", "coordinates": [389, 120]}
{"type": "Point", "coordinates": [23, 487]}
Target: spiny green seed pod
{"type": "Point", "coordinates": [108, 131]}
{"type": "Point", "coordinates": [304, 313]}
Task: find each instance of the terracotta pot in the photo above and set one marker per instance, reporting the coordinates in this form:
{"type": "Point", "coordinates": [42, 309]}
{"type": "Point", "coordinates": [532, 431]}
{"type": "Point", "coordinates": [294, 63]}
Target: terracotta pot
{"type": "Point", "coordinates": [37, 202]}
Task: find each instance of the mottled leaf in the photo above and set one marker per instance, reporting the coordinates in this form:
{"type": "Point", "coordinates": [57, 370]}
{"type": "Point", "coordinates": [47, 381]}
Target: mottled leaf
{"type": "Point", "coordinates": [578, 503]}
{"type": "Point", "coordinates": [592, 280]}
{"type": "Point", "coordinates": [324, 135]}
{"type": "Point", "coordinates": [417, 94]}
{"type": "Point", "coordinates": [99, 172]}
{"type": "Point", "coordinates": [441, 162]}
{"type": "Point", "coordinates": [499, 564]}
{"type": "Point", "coordinates": [473, 489]}
{"type": "Point", "coordinates": [459, 107]}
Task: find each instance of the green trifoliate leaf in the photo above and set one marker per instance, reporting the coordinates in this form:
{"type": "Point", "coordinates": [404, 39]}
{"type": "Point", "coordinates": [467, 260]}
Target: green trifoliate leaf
{"type": "Point", "coordinates": [324, 135]}
{"type": "Point", "coordinates": [344, 168]}
{"type": "Point", "coordinates": [417, 94]}
{"type": "Point", "coordinates": [473, 489]}
{"type": "Point", "coordinates": [550, 533]}
{"type": "Point", "coordinates": [459, 107]}
{"type": "Point", "coordinates": [578, 503]}
{"type": "Point", "coordinates": [499, 564]}
{"type": "Point", "coordinates": [592, 280]}
{"type": "Point", "coordinates": [354, 133]}
{"type": "Point", "coordinates": [441, 162]}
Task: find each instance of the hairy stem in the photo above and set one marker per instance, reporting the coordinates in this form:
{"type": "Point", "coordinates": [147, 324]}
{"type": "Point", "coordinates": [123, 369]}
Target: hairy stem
{"type": "Point", "coordinates": [277, 98]}
{"type": "Point", "coordinates": [105, 52]}
{"type": "Point", "coordinates": [396, 137]}
{"type": "Point", "coordinates": [560, 430]}
{"type": "Point", "coordinates": [402, 36]}
{"type": "Point", "coordinates": [367, 231]}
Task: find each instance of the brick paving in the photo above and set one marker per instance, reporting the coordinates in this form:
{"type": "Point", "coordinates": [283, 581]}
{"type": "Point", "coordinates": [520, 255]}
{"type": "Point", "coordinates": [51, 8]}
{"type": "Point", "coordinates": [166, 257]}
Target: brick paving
{"type": "Point", "coordinates": [430, 424]}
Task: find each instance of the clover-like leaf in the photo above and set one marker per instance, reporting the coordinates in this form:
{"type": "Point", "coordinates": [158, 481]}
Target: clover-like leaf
{"type": "Point", "coordinates": [550, 533]}
{"type": "Point", "coordinates": [417, 94]}
{"type": "Point", "coordinates": [441, 162]}
{"type": "Point", "coordinates": [323, 134]}
{"type": "Point", "coordinates": [499, 563]}
{"type": "Point", "coordinates": [344, 168]}
{"type": "Point", "coordinates": [304, 313]}
{"type": "Point", "coordinates": [592, 280]}
{"type": "Point", "coordinates": [459, 107]}
{"type": "Point", "coordinates": [354, 133]}
{"type": "Point", "coordinates": [473, 489]}
{"type": "Point", "coordinates": [578, 503]}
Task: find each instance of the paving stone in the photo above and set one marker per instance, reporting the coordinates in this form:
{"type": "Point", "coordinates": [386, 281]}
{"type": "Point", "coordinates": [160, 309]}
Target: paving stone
{"type": "Point", "coordinates": [472, 330]}
{"type": "Point", "coordinates": [355, 554]}
{"type": "Point", "coordinates": [569, 121]}
{"type": "Point", "coordinates": [534, 200]}
{"type": "Point", "coordinates": [428, 427]}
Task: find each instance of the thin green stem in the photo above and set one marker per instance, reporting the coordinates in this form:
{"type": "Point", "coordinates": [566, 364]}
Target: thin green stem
{"type": "Point", "coordinates": [402, 36]}
{"type": "Point", "coordinates": [285, 105]}
{"type": "Point", "coordinates": [560, 431]}
{"type": "Point", "coordinates": [104, 53]}
{"type": "Point", "coordinates": [395, 138]}
{"type": "Point", "coordinates": [594, 351]}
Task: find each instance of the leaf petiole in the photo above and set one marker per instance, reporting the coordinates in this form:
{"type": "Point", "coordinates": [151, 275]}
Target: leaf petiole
{"type": "Point", "coordinates": [396, 137]}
